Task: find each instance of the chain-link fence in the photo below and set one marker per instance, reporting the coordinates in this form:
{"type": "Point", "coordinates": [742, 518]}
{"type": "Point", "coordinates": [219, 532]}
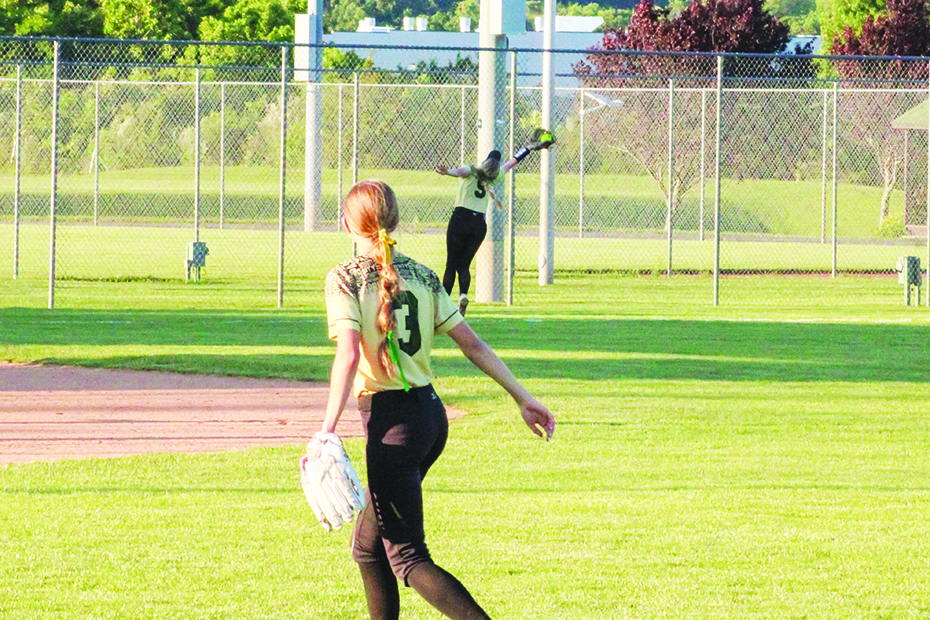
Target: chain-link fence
{"type": "Point", "coordinates": [127, 160]}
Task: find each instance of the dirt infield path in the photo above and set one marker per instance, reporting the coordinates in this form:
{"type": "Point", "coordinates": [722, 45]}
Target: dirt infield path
{"type": "Point", "coordinates": [55, 412]}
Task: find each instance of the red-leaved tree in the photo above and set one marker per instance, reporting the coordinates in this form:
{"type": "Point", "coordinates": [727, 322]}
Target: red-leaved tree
{"type": "Point", "coordinates": [639, 128]}
{"type": "Point", "coordinates": [870, 106]}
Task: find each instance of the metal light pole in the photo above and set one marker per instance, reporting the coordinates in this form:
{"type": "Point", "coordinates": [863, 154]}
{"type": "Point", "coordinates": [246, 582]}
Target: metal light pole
{"type": "Point", "coordinates": [489, 272]}
{"type": "Point", "coordinates": [546, 266]}
{"type": "Point", "coordinates": [313, 118]}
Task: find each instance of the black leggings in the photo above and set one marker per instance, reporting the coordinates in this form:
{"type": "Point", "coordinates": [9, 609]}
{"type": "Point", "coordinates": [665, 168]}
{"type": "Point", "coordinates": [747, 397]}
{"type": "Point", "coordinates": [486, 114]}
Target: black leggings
{"type": "Point", "coordinates": [464, 236]}
{"type": "Point", "coordinates": [406, 432]}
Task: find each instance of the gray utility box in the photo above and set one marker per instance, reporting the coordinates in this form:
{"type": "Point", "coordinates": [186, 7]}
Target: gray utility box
{"type": "Point", "coordinates": [196, 258]}
{"type": "Point", "coordinates": [908, 268]}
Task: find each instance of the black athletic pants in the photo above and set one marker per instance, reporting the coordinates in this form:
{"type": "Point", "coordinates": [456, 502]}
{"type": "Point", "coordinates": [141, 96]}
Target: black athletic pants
{"type": "Point", "coordinates": [406, 432]}
{"type": "Point", "coordinates": [464, 236]}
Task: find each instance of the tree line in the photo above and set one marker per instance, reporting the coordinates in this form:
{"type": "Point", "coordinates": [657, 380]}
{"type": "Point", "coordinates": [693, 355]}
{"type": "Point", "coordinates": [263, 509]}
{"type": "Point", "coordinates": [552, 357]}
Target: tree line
{"type": "Point", "coordinates": [249, 20]}
{"type": "Point", "coordinates": [273, 20]}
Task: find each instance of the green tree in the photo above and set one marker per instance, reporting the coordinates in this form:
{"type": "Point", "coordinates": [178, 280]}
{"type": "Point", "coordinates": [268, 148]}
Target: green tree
{"type": "Point", "coordinates": [342, 15]}
{"type": "Point", "coordinates": [340, 65]}
{"type": "Point", "coordinates": [449, 20]}
{"type": "Point", "coordinates": [145, 19]}
{"type": "Point", "coordinates": [254, 20]}
{"type": "Point", "coordinates": [837, 15]}
{"type": "Point", "coordinates": [801, 16]}
{"type": "Point", "coordinates": [249, 20]}
{"type": "Point", "coordinates": [56, 18]}
{"type": "Point", "coordinates": [200, 10]}
{"type": "Point", "coordinates": [614, 18]}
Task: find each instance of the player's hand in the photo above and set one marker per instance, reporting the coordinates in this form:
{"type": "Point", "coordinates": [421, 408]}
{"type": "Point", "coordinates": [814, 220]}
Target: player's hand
{"type": "Point", "coordinates": [538, 418]}
{"type": "Point", "coordinates": [442, 169]}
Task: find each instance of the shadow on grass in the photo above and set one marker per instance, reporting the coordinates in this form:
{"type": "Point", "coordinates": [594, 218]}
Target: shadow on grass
{"type": "Point", "coordinates": [584, 349]}
{"type": "Point", "coordinates": [292, 367]}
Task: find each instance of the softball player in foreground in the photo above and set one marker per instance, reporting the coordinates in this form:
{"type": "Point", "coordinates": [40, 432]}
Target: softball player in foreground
{"type": "Point", "coordinates": [383, 310]}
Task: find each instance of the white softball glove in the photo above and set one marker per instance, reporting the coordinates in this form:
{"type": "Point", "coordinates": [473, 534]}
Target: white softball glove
{"type": "Point", "coordinates": [329, 481]}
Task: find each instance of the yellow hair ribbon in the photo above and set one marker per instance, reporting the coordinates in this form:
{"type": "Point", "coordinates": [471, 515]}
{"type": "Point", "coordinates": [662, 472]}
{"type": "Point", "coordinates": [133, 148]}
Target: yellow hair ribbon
{"type": "Point", "coordinates": [385, 239]}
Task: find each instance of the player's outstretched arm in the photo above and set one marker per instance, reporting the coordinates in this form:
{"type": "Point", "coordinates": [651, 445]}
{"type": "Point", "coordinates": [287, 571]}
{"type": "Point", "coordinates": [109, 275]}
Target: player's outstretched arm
{"type": "Point", "coordinates": [510, 163]}
{"type": "Point", "coordinates": [535, 414]}
{"type": "Point", "coordinates": [342, 376]}
{"type": "Point", "coordinates": [460, 173]}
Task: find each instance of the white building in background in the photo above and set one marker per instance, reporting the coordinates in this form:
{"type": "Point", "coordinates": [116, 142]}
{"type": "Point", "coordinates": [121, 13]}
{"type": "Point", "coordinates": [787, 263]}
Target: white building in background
{"type": "Point", "coordinates": [403, 46]}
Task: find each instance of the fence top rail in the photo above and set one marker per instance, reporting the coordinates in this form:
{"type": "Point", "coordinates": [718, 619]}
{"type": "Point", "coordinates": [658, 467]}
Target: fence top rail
{"type": "Point", "coordinates": [563, 89]}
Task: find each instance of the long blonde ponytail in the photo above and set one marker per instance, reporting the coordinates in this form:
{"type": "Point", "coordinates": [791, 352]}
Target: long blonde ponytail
{"type": "Point", "coordinates": [371, 211]}
{"type": "Point", "coordinates": [487, 173]}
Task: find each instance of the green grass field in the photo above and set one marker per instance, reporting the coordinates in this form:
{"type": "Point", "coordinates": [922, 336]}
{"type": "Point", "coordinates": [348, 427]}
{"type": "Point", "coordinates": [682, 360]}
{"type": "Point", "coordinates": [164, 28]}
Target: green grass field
{"type": "Point", "coordinates": [761, 459]}
{"type": "Point", "coordinates": [613, 202]}
{"type": "Point", "coordinates": [146, 222]}
{"type": "Point", "coordinates": [95, 265]}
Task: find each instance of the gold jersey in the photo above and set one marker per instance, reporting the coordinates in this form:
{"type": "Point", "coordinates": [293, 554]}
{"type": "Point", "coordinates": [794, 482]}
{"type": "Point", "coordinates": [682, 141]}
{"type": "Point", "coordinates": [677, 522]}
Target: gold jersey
{"type": "Point", "coordinates": [471, 195]}
{"type": "Point", "coordinates": [423, 309]}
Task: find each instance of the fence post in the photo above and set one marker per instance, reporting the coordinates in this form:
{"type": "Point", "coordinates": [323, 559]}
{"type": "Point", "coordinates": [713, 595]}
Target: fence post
{"type": "Point", "coordinates": [339, 162]}
{"type": "Point", "coordinates": [511, 181]}
{"type": "Point", "coordinates": [54, 190]}
{"type": "Point", "coordinates": [703, 166]}
{"type": "Point", "coordinates": [927, 266]}
{"type": "Point", "coordinates": [355, 129]}
{"type": "Point", "coordinates": [96, 150]}
{"type": "Point", "coordinates": [671, 171]}
{"type": "Point", "coordinates": [282, 176]}
{"type": "Point", "coordinates": [222, 155]}
{"type": "Point", "coordinates": [17, 147]}
{"type": "Point", "coordinates": [462, 129]}
{"type": "Point", "coordinates": [197, 156]}
{"type": "Point", "coordinates": [836, 96]}
{"type": "Point", "coordinates": [581, 162]}
{"type": "Point", "coordinates": [823, 175]}
{"type": "Point", "coordinates": [355, 112]}
{"type": "Point", "coordinates": [717, 181]}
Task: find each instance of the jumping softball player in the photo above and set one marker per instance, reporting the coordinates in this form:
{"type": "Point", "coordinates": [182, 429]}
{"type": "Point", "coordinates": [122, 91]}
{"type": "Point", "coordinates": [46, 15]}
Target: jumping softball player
{"type": "Point", "coordinates": [467, 226]}
{"type": "Point", "coordinates": [384, 310]}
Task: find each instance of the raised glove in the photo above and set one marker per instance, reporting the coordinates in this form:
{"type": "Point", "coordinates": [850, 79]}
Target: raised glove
{"type": "Point", "coordinates": [542, 139]}
{"type": "Point", "coordinates": [329, 481]}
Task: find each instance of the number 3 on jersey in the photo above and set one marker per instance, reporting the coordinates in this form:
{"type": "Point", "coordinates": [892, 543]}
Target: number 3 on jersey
{"type": "Point", "coordinates": [406, 310]}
